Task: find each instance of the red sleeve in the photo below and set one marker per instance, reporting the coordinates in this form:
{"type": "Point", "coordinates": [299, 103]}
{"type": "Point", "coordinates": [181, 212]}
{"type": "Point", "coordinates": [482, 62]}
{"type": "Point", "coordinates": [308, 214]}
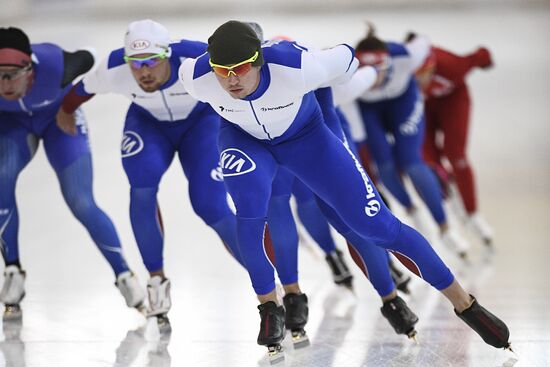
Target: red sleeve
{"type": "Point", "coordinates": [455, 67]}
{"type": "Point", "coordinates": [73, 100]}
{"type": "Point", "coordinates": [481, 58]}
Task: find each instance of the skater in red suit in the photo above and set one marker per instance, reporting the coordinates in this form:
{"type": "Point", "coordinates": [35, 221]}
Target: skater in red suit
{"type": "Point", "coordinates": [447, 108]}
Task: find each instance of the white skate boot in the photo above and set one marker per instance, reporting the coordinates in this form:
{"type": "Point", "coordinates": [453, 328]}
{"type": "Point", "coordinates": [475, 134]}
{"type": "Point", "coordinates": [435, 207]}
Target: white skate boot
{"type": "Point", "coordinates": [159, 301]}
{"type": "Point", "coordinates": [454, 242]}
{"type": "Point", "coordinates": [132, 292]}
{"type": "Point", "coordinates": [479, 226]}
{"type": "Point", "coordinates": [12, 292]}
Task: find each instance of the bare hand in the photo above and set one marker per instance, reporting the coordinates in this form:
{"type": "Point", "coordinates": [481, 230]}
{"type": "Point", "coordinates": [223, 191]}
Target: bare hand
{"type": "Point", "coordinates": [66, 122]}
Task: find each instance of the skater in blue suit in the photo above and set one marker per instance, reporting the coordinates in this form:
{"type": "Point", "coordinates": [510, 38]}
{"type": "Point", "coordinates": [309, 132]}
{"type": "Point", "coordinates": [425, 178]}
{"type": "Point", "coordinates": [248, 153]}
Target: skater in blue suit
{"type": "Point", "coordinates": [163, 120]}
{"type": "Point", "coordinates": [34, 79]}
{"type": "Point", "coordinates": [271, 118]}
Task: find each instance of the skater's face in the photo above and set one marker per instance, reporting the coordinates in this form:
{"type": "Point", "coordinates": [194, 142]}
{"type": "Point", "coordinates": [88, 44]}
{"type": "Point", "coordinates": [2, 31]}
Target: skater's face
{"type": "Point", "coordinates": [239, 80]}
{"type": "Point", "coordinates": [150, 71]}
{"type": "Point", "coordinates": [239, 87]}
{"type": "Point", "coordinates": [14, 81]}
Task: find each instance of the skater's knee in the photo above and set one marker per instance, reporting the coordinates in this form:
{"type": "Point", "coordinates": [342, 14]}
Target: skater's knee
{"type": "Point", "coordinates": [143, 177]}
{"type": "Point", "coordinates": [249, 208]}
{"type": "Point", "coordinates": [459, 162]}
{"type": "Point", "coordinates": [211, 211]}
{"type": "Point", "coordinates": [143, 194]}
{"type": "Point", "coordinates": [384, 231]}
{"type": "Point", "coordinates": [81, 205]}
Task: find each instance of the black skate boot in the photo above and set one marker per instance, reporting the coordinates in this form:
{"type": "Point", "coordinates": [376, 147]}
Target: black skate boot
{"type": "Point", "coordinates": [492, 330]}
{"type": "Point", "coordinates": [340, 271]}
{"type": "Point", "coordinates": [400, 317]}
{"type": "Point", "coordinates": [400, 279]}
{"type": "Point", "coordinates": [272, 330]}
{"type": "Point", "coordinates": [296, 314]}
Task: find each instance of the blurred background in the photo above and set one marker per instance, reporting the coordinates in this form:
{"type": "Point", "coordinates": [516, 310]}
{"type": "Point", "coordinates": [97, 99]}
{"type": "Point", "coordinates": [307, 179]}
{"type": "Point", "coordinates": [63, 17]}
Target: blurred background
{"type": "Point", "coordinates": [74, 316]}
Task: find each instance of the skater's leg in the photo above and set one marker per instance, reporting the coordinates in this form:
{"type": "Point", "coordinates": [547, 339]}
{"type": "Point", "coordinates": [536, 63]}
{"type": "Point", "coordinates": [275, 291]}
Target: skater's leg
{"type": "Point", "coordinates": [341, 182]}
{"type": "Point", "coordinates": [199, 158]}
{"type": "Point", "coordinates": [249, 183]}
{"type": "Point", "coordinates": [146, 155]}
{"type": "Point", "coordinates": [370, 258]}
{"type": "Point", "coordinates": [382, 154]}
{"type": "Point", "coordinates": [17, 147]}
{"type": "Point", "coordinates": [407, 122]}
{"type": "Point", "coordinates": [455, 132]}
{"type": "Point", "coordinates": [70, 157]}
{"type": "Point", "coordinates": [312, 218]}
{"type": "Point", "coordinates": [283, 232]}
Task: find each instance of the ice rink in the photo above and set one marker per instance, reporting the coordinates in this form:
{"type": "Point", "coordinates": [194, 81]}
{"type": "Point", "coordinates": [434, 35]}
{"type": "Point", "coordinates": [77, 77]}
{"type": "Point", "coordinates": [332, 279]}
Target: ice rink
{"type": "Point", "coordinates": [75, 317]}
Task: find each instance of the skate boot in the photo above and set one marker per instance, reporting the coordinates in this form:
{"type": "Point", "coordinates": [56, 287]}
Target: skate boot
{"type": "Point", "coordinates": [455, 243]}
{"type": "Point", "coordinates": [272, 330]}
{"type": "Point", "coordinates": [340, 271]}
{"type": "Point", "coordinates": [400, 279]}
{"type": "Point", "coordinates": [400, 317]}
{"type": "Point", "coordinates": [492, 330]}
{"type": "Point", "coordinates": [479, 226]}
{"type": "Point", "coordinates": [160, 303]}
{"type": "Point", "coordinates": [127, 283]}
{"type": "Point", "coordinates": [13, 292]}
{"type": "Point", "coordinates": [296, 314]}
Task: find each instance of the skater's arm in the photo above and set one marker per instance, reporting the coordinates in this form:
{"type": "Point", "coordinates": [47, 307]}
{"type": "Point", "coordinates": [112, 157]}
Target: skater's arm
{"type": "Point", "coordinates": [328, 67]}
{"type": "Point", "coordinates": [75, 64]}
{"type": "Point", "coordinates": [364, 79]}
{"type": "Point", "coordinates": [96, 81]}
{"type": "Point", "coordinates": [418, 49]}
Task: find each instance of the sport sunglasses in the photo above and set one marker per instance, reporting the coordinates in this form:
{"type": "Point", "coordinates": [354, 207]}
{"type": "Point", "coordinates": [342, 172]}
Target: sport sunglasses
{"type": "Point", "coordinates": [15, 74]}
{"type": "Point", "coordinates": [150, 61]}
{"type": "Point", "coordinates": [238, 69]}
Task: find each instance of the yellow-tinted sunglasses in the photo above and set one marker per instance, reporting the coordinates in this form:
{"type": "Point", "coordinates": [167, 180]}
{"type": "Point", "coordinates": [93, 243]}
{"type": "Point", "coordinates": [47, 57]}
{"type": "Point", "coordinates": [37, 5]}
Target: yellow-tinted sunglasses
{"type": "Point", "coordinates": [238, 69]}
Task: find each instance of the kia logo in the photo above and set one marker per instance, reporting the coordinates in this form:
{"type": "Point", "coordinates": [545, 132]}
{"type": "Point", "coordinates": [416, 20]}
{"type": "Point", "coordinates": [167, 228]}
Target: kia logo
{"type": "Point", "coordinates": [139, 45]}
{"type": "Point", "coordinates": [372, 208]}
{"type": "Point", "coordinates": [235, 162]}
{"type": "Point", "coordinates": [131, 144]}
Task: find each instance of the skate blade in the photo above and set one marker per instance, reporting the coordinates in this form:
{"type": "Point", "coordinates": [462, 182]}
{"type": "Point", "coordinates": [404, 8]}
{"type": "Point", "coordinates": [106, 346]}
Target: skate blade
{"type": "Point", "coordinates": [275, 354]}
{"type": "Point", "coordinates": [164, 325]}
{"type": "Point", "coordinates": [413, 334]}
{"type": "Point", "coordinates": [12, 313]}
{"type": "Point", "coordinates": [509, 347]}
{"type": "Point", "coordinates": [300, 339]}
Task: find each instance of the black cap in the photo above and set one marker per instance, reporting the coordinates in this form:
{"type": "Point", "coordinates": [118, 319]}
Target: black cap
{"type": "Point", "coordinates": [234, 42]}
{"type": "Point", "coordinates": [15, 38]}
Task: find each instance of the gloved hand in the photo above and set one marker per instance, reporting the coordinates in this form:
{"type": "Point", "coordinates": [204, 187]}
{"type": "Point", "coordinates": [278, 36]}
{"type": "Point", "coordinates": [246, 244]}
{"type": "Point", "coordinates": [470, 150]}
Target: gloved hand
{"type": "Point", "coordinates": [482, 58]}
